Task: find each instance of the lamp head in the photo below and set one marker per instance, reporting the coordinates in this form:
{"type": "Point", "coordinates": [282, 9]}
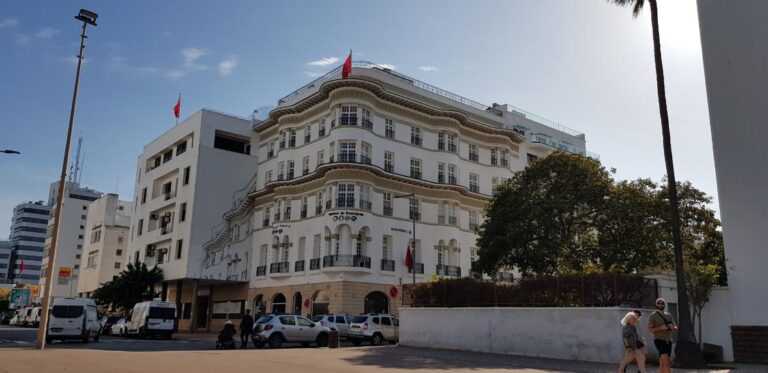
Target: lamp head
{"type": "Point", "coordinates": [87, 16]}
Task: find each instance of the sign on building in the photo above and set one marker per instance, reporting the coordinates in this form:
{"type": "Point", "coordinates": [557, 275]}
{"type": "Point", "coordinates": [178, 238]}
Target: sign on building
{"type": "Point", "coordinates": [65, 274]}
{"type": "Point", "coordinates": [20, 297]}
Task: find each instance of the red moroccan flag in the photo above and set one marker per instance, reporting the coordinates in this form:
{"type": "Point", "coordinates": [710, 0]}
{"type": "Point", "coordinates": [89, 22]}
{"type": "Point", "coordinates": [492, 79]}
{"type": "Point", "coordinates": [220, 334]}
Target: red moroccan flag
{"type": "Point", "coordinates": [21, 267]}
{"type": "Point", "coordinates": [409, 257]}
{"type": "Point", "coordinates": [347, 68]}
{"type": "Point", "coordinates": [177, 108]}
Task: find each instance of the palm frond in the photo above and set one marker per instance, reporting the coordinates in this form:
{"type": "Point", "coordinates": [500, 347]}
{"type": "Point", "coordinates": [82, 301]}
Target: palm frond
{"type": "Point", "coordinates": [637, 5]}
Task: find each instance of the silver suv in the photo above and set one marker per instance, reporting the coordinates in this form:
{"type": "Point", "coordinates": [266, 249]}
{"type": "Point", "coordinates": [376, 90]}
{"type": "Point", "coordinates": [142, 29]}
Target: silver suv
{"type": "Point", "coordinates": [339, 323]}
{"type": "Point", "coordinates": [279, 329]}
{"type": "Point", "coordinates": [375, 328]}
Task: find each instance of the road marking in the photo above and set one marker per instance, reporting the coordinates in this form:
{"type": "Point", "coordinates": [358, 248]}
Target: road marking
{"type": "Point", "coordinates": [15, 342]}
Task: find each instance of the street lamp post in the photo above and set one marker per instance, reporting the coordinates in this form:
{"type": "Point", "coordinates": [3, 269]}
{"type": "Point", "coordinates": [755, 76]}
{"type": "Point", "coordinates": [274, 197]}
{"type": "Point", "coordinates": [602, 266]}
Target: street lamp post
{"type": "Point", "coordinates": [88, 18]}
{"type": "Point", "coordinates": [411, 196]}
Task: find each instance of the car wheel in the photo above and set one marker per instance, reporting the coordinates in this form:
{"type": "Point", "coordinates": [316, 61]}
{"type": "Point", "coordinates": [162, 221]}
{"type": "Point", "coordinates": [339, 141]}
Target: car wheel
{"type": "Point", "coordinates": [356, 342]}
{"type": "Point", "coordinates": [377, 339]}
{"type": "Point", "coordinates": [322, 340]}
{"type": "Point", "coordinates": [275, 341]}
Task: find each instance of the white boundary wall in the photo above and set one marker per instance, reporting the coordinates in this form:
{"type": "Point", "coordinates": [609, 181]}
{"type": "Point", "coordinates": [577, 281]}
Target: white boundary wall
{"type": "Point", "coordinates": [589, 334]}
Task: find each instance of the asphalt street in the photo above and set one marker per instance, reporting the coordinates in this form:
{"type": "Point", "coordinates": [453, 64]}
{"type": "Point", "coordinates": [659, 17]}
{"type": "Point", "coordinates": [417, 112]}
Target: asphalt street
{"type": "Point", "coordinates": [25, 337]}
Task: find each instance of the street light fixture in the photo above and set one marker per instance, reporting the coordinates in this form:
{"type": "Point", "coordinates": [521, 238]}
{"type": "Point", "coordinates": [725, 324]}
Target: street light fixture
{"type": "Point", "coordinates": [9, 151]}
{"type": "Point", "coordinates": [88, 18]}
{"type": "Point", "coordinates": [411, 196]}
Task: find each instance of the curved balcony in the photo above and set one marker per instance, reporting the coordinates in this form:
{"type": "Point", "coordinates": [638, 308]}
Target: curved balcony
{"type": "Point", "coordinates": [448, 270]}
{"type": "Point", "coordinates": [280, 269]}
{"type": "Point", "coordinates": [341, 262]}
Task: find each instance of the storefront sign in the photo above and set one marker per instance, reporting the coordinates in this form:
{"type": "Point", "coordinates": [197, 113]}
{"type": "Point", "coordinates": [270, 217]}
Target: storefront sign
{"type": "Point", "coordinates": [20, 297]}
{"type": "Point", "coordinates": [345, 216]}
{"type": "Point", "coordinates": [65, 273]}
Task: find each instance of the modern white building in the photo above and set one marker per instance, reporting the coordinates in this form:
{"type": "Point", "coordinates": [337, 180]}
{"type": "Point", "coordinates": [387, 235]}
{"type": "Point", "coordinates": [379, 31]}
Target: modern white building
{"type": "Point", "coordinates": [185, 180]}
{"type": "Point", "coordinates": [322, 226]}
{"type": "Point", "coordinates": [5, 259]}
{"type": "Point", "coordinates": [107, 229]}
{"type": "Point", "coordinates": [71, 237]}
{"type": "Point", "coordinates": [28, 233]}
{"type": "Point", "coordinates": [734, 37]}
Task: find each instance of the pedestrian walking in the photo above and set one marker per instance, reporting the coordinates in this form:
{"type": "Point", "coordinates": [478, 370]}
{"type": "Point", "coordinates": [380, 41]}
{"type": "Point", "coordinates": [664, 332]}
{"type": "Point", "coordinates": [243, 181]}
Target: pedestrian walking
{"type": "Point", "coordinates": [634, 346]}
{"type": "Point", "coordinates": [662, 326]}
{"type": "Point", "coordinates": [246, 325]}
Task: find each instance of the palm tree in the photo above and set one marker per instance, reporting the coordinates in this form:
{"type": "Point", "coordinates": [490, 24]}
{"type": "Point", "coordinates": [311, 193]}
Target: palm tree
{"type": "Point", "coordinates": [687, 350]}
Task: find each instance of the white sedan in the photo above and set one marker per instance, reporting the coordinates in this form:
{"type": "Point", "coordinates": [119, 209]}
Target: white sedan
{"type": "Point", "coordinates": [119, 328]}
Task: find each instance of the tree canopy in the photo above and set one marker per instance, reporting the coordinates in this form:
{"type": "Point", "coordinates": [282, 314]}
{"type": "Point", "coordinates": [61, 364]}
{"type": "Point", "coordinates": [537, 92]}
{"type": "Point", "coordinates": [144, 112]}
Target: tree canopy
{"type": "Point", "coordinates": [566, 214]}
{"type": "Point", "coordinates": [134, 284]}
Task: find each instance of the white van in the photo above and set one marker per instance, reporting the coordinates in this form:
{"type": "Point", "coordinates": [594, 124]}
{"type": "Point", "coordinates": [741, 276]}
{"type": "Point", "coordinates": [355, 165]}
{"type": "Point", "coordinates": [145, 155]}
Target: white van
{"type": "Point", "coordinates": [73, 318]}
{"type": "Point", "coordinates": [152, 318]}
{"type": "Point", "coordinates": [32, 317]}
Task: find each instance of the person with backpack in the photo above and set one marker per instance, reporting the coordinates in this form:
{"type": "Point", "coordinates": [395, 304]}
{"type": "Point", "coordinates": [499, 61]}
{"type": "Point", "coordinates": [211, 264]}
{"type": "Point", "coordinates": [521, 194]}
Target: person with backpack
{"type": "Point", "coordinates": [634, 346]}
{"type": "Point", "coordinates": [662, 326]}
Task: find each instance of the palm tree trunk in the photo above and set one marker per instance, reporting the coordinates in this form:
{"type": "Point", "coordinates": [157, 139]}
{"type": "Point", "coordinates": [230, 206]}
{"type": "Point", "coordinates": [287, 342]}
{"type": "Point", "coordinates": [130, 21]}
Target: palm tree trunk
{"type": "Point", "coordinates": [687, 351]}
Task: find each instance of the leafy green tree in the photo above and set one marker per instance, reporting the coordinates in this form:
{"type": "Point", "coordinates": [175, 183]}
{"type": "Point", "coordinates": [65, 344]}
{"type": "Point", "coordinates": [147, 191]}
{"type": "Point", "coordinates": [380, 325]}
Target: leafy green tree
{"type": "Point", "coordinates": [542, 220]}
{"type": "Point", "coordinates": [134, 284]}
{"type": "Point", "coordinates": [701, 279]}
{"type": "Point", "coordinates": [688, 353]}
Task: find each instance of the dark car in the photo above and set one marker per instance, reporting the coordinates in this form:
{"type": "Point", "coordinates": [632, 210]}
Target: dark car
{"type": "Point", "coordinates": [5, 319]}
{"type": "Point", "coordinates": [106, 324]}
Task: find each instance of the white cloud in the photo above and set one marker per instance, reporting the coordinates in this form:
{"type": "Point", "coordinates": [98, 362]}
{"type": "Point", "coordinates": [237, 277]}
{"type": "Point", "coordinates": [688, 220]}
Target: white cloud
{"type": "Point", "coordinates": [46, 33]}
{"type": "Point", "coordinates": [8, 22]}
{"type": "Point", "coordinates": [229, 64]}
{"type": "Point", "coordinates": [325, 61]}
{"type": "Point", "coordinates": [427, 68]}
{"type": "Point", "coordinates": [386, 66]}
{"type": "Point", "coordinates": [166, 34]}
{"type": "Point", "coordinates": [191, 54]}
{"type": "Point", "coordinates": [22, 39]}
{"type": "Point", "coordinates": [313, 74]}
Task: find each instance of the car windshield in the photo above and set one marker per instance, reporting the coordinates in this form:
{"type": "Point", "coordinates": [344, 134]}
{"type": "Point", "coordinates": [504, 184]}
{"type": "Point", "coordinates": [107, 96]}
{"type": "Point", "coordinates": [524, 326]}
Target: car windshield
{"type": "Point", "coordinates": [161, 313]}
{"type": "Point", "coordinates": [317, 318]}
{"type": "Point", "coordinates": [67, 312]}
{"type": "Point", "coordinates": [360, 319]}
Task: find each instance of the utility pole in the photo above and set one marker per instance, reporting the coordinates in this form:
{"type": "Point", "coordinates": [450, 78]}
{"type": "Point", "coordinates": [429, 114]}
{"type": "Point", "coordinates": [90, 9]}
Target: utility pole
{"type": "Point", "coordinates": [88, 18]}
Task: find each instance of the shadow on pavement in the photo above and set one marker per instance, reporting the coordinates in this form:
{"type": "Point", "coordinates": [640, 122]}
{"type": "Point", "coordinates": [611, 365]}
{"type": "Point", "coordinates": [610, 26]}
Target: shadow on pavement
{"type": "Point", "coordinates": [410, 358]}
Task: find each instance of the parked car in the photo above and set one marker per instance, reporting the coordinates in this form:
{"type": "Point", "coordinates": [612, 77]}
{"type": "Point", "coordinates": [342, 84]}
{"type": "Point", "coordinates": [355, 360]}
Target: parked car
{"type": "Point", "coordinates": [5, 319]}
{"type": "Point", "coordinates": [106, 324]}
{"type": "Point", "coordinates": [32, 317]}
{"type": "Point", "coordinates": [279, 329]}
{"type": "Point", "coordinates": [152, 318]}
{"type": "Point", "coordinates": [73, 318]}
{"type": "Point", "coordinates": [16, 319]}
{"type": "Point", "coordinates": [119, 328]}
{"type": "Point", "coordinates": [339, 323]}
{"type": "Point", "coordinates": [374, 328]}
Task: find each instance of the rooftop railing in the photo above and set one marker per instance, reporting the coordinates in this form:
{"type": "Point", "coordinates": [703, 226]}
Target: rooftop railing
{"type": "Point", "coordinates": [430, 88]}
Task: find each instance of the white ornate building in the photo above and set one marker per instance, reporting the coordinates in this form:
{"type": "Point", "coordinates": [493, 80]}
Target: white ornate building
{"type": "Point", "coordinates": [321, 226]}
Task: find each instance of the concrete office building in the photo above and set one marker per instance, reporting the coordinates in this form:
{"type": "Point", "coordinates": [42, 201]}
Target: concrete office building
{"type": "Point", "coordinates": [5, 259]}
{"type": "Point", "coordinates": [107, 228]}
{"type": "Point", "coordinates": [185, 180]}
{"type": "Point", "coordinates": [28, 232]}
{"type": "Point", "coordinates": [319, 227]}
{"type": "Point", "coordinates": [734, 37]}
{"type": "Point", "coordinates": [71, 237]}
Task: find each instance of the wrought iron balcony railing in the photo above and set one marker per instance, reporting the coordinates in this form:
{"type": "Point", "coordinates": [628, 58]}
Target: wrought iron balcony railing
{"type": "Point", "coordinates": [341, 260]}
{"type": "Point", "coordinates": [280, 267]}
{"type": "Point", "coordinates": [448, 270]}
{"type": "Point", "coordinates": [387, 265]}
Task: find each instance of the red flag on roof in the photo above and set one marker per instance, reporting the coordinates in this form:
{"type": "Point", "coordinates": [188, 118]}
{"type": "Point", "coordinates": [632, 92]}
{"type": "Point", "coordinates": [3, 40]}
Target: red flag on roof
{"type": "Point", "coordinates": [409, 257]}
{"type": "Point", "coordinates": [177, 108]}
{"type": "Point", "coordinates": [347, 68]}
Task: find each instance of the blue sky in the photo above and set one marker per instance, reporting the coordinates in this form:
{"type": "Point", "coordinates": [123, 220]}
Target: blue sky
{"type": "Point", "coordinates": [585, 64]}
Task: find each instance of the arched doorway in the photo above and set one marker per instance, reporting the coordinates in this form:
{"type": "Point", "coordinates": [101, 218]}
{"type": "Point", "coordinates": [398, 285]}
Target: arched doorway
{"type": "Point", "coordinates": [320, 303]}
{"type": "Point", "coordinates": [376, 302]}
{"type": "Point", "coordinates": [297, 304]}
{"type": "Point", "coordinates": [278, 304]}
{"type": "Point", "coordinates": [259, 305]}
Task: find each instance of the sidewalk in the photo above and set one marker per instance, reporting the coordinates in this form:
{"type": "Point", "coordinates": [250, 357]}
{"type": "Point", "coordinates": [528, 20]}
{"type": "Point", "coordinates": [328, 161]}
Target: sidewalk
{"type": "Point", "coordinates": [196, 337]}
{"type": "Point", "coordinates": [299, 360]}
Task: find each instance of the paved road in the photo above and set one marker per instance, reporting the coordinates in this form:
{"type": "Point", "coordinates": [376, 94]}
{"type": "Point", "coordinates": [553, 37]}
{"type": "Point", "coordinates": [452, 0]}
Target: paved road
{"type": "Point", "coordinates": [26, 337]}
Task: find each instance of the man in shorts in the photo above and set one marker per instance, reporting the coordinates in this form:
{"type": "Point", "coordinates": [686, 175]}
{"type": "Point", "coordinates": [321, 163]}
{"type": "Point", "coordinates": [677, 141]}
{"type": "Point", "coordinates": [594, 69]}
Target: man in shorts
{"type": "Point", "coordinates": [661, 325]}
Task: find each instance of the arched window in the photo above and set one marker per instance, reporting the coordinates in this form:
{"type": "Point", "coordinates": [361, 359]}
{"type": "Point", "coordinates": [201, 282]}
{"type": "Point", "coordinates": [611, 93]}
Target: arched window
{"type": "Point", "coordinates": [297, 300]}
{"type": "Point", "coordinates": [278, 303]}
{"type": "Point", "coordinates": [320, 303]}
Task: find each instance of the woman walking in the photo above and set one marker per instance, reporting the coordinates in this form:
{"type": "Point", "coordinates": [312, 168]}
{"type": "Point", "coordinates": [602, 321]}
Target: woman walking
{"type": "Point", "coordinates": [634, 346]}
